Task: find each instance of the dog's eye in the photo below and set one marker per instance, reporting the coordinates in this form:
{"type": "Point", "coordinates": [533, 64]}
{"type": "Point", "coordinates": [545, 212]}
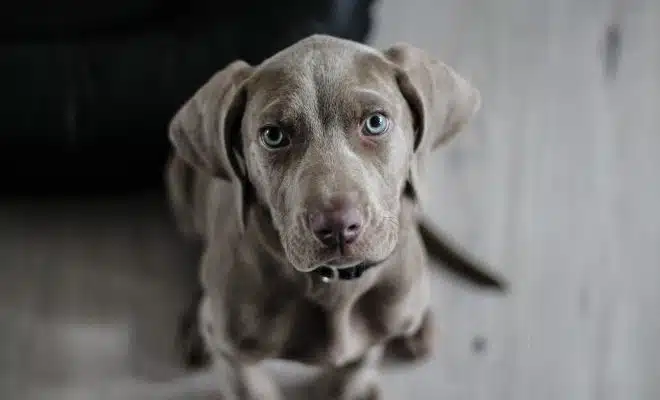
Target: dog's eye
{"type": "Point", "coordinates": [273, 137]}
{"type": "Point", "coordinates": [376, 124]}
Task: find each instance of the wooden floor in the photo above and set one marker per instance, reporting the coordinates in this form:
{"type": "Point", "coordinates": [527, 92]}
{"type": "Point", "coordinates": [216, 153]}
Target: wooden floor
{"type": "Point", "coordinates": [556, 184]}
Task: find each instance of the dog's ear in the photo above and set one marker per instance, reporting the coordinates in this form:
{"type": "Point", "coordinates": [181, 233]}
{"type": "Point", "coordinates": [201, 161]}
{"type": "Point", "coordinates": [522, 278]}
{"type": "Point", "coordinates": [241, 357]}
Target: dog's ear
{"type": "Point", "coordinates": [441, 101]}
{"type": "Point", "coordinates": [206, 131]}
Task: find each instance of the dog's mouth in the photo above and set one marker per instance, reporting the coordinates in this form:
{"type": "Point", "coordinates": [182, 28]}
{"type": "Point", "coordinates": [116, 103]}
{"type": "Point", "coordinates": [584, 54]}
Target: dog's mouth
{"type": "Point", "coordinates": [334, 270]}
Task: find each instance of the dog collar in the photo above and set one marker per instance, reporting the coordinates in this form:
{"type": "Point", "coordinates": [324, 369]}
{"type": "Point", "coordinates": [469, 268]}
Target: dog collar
{"type": "Point", "coordinates": [329, 274]}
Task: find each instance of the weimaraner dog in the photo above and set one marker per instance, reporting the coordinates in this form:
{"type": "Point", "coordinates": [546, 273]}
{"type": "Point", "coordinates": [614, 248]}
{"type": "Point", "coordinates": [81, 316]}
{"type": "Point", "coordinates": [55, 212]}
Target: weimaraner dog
{"type": "Point", "coordinates": [303, 177]}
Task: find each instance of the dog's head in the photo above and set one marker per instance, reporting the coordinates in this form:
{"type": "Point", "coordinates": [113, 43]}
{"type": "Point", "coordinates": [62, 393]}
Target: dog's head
{"type": "Point", "coordinates": [327, 135]}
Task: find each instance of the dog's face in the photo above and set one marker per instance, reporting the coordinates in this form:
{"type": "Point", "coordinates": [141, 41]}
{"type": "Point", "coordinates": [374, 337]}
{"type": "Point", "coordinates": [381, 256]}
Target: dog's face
{"type": "Point", "coordinates": [327, 135]}
{"type": "Point", "coordinates": [328, 141]}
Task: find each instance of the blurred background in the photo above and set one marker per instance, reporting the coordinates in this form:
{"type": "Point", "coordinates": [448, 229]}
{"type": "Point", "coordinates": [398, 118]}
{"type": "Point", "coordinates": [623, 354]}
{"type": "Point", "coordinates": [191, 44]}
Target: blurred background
{"type": "Point", "coordinates": [555, 185]}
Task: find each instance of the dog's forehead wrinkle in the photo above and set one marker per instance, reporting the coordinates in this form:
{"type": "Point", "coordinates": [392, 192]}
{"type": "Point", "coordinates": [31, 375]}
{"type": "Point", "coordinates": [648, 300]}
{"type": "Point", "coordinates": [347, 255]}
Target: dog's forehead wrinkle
{"type": "Point", "coordinates": [324, 46]}
{"type": "Point", "coordinates": [315, 81]}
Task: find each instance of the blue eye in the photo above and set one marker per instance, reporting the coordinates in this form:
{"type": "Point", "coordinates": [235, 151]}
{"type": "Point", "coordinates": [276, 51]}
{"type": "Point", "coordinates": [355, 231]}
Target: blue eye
{"type": "Point", "coordinates": [376, 124]}
{"type": "Point", "coordinates": [274, 137]}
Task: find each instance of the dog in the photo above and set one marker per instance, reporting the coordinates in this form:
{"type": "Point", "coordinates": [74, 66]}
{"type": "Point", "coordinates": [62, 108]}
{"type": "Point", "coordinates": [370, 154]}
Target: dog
{"type": "Point", "coordinates": [303, 177]}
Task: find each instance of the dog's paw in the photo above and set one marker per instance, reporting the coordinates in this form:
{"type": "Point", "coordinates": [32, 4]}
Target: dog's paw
{"type": "Point", "coordinates": [417, 347]}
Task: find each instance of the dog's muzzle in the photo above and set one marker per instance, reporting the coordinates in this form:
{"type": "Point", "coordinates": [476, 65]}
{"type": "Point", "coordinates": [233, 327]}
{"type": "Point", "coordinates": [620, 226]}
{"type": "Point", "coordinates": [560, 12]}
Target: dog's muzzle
{"type": "Point", "coordinates": [328, 273]}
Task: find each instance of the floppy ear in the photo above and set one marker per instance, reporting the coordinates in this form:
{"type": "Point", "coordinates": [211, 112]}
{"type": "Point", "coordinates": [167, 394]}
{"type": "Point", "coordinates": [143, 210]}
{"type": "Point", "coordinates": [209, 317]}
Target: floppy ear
{"type": "Point", "coordinates": [206, 131]}
{"type": "Point", "coordinates": [441, 101]}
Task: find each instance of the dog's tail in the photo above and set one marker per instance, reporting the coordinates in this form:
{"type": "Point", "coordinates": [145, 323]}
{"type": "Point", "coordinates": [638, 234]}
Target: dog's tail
{"type": "Point", "coordinates": [449, 255]}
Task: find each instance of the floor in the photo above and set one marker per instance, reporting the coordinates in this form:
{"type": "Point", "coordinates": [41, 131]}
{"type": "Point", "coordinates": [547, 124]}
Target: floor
{"type": "Point", "coordinates": [555, 185]}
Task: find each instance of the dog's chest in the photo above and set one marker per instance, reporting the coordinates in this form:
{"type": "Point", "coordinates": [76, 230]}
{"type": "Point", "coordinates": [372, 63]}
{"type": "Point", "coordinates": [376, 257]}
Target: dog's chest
{"type": "Point", "coordinates": [338, 335]}
{"type": "Point", "coordinates": [301, 329]}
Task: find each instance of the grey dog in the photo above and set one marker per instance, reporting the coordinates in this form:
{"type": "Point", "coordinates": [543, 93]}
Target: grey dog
{"type": "Point", "coordinates": [304, 179]}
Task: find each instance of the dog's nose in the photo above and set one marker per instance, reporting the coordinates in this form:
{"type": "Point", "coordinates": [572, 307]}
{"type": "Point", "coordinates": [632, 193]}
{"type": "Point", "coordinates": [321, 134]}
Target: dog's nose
{"type": "Point", "coordinates": [338, 225]}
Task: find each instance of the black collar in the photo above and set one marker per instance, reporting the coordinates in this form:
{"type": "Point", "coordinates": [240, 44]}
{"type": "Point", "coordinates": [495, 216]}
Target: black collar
{"type": "Point", "coordinates": [328, 273]}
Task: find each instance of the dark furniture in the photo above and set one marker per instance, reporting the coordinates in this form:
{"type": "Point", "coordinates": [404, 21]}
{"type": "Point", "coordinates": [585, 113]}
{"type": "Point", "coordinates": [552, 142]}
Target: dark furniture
{"type": "Point", "coordinates": [88, 88]}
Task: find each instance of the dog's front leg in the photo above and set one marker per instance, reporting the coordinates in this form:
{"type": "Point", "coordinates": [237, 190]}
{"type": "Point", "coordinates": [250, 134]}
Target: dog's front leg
{"type": "Point", "coordinates": [417, 346]}
{"type": "Point", "coordinates": [252, 383]}
{"type": "Point", "coordinates": [357, 380]}
{"type": "Point", "coordinates": [239, 380]}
